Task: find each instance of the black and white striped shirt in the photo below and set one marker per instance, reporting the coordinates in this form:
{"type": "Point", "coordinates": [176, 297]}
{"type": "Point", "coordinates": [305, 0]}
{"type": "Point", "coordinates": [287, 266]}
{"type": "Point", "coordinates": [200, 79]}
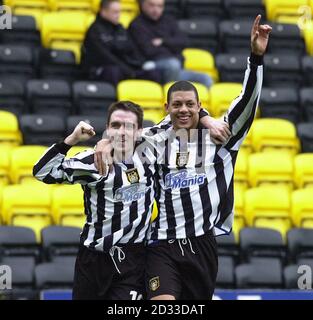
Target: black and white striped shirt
{"type": "Point", "coordinates": [118, 207]}
{"type": "Point", "coordinates": [192, 199]}
{"type": "Point", "coordinates": [198, 196]}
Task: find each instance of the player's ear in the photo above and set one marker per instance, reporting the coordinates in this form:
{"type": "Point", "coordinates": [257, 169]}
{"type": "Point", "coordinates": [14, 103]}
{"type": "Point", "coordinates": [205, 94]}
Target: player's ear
{"type": "Point", "coordinates": [166, 106]}
{"type": "Point", "coordinates": [139, 133]}
{"type": "Point", "coordinates": [105, 132]}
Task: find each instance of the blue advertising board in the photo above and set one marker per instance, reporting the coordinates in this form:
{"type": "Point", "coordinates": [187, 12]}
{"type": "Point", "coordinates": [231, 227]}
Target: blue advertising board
{"type": "Point", "coordinates": [218, 295]}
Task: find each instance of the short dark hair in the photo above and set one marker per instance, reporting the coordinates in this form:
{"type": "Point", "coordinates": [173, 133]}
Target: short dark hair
{"type": "Point", "coordinates": [106, 3]}
{"type": "Point", "coordinates": [181, 86]}
{"type": "Point", "coordinates": [126, 106]}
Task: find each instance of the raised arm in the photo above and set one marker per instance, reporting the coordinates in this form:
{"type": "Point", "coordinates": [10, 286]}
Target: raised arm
{"type": "Point", "coordinates": [53, 168]}
{"type": "Point", "coordinates": [242, 110]}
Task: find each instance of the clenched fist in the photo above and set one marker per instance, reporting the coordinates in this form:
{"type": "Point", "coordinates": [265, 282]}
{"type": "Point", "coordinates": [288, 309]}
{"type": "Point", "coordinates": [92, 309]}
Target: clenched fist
{"type": "Point", "coordinates": [82, 132]}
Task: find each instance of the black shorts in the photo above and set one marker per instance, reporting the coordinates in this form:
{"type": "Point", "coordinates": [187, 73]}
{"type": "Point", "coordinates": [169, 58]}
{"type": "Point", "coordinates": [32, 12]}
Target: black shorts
{"type": "Point", "coordinates": [97, 277]}
{"type": "Point", "coordinates": [185, 268]}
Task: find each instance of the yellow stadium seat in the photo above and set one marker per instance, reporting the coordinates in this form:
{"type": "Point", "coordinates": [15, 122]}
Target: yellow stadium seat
{"type": "Point", "coordinates": [67, 201]}
{"type": "Point", "coordinates": [69, 5]}
{"type": "Point", "coordinates": [241, 169]}
{"type": "Point", "coordinates": [1, 194]}
{"type": "Point", "coordinates": [203, 92]}
{"type": "Point", "coordinates": [155, 211]}
{"type": "Point", "coordinates": [65, 30]}
{"type": "Point", "coordinates": [268, 207]}
{"type": "Point", "coordinates": [282, 10]}
{"type": "Point", "coordinates": [95, 5]}
{"type": "Point", "coordinates": [222, 94]}
{"type": "Point", "coordinates": [201, 61]}
{"type": "Point", "coordinates": [5, 152]}
{"type": "Point", "coordinates": [63, 26]}
{"type": "Point", "coordinates": [148, 94]}
{"type": "Point", "coordinates": [308, 36]}
{"type": "Point", "coordinates": [274, 135]}
{"type": "Point", "coordinates": [129, 7]}
{"type": "Point", "coordinates": [154, 115]}
{"type": "Point", "coordinates": [9, 130]}
{"type": "Point", "coordinates": [23, 160]}
{"type": "Point", "coordinates": [303, 170]}
{"type": "Point", "coordinates": [89, 20]}
{"type": "Point", "coordinates": [266, 168]}
{"type": "Point", "coordinates": [27, 205]}
{"type": "Point", "coordinates": [238, 224]}
{"type": "Point", "coordinates": [126, 18]}
{"type": "Point", "coordinates": [302, 207]}
{"type": "Point", "coordinates": [239, 217]}
{"type": "Point", "coordinates": [16, 5]}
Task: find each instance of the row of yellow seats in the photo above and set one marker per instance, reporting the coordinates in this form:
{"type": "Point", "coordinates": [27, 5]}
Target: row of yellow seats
{"type": "Point", "coordinates": [273, 207]}
{"type": "Point", "coordinates": [37, 206]}
{"type": "Point", "coordinates": [279, 168]}
{"type": "Point", "coordinates": [16, 163]}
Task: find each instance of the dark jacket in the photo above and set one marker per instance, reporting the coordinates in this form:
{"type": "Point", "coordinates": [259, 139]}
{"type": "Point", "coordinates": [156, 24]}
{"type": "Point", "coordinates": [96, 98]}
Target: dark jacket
{"type": "Point", "coordinates": [107, 44]}
{"type": "Point", "coordinates": [143, 30]}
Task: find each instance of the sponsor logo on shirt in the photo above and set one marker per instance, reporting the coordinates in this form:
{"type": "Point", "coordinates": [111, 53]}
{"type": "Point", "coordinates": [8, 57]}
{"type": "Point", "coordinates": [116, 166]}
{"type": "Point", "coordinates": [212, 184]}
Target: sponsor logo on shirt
{"type": "Point", "coordinates": [181, 179]}
{"type": "Point", "coordinates": [131, 193]}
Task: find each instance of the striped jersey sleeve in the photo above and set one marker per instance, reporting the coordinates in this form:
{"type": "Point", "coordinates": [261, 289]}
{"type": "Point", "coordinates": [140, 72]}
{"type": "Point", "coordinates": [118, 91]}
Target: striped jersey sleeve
{"type": "Point", "coordinates": [242, 110]}
{"type": "Point", "coordinates": [53, 168]}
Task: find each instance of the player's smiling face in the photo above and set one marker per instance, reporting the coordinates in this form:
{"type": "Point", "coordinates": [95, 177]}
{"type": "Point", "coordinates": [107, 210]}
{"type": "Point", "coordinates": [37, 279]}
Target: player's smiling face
{"type": "Point", "coordinates": [184, 108]}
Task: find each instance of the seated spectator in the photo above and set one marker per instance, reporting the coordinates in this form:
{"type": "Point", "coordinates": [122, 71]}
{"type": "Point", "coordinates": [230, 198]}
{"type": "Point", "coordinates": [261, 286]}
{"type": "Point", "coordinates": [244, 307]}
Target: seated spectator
{"type": "Point", "coordinates": [159, 39]}
{"type": "Point", "coordinates": [108, 53]}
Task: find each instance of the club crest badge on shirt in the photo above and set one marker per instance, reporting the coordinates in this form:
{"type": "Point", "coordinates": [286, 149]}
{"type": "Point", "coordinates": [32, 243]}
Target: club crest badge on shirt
{"type": "Point", "coordinates": [154, 283]}
{"type": "Point", "coordinates": [182, 158]}
{"type": "Point", "coordinates": [132, 175]}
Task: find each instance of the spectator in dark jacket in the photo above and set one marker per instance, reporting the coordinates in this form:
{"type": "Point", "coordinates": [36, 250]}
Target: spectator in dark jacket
{"type": "Point", "coordinates": [108, 52]}
{"type": "Point", "coordinates": [159, 39]}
